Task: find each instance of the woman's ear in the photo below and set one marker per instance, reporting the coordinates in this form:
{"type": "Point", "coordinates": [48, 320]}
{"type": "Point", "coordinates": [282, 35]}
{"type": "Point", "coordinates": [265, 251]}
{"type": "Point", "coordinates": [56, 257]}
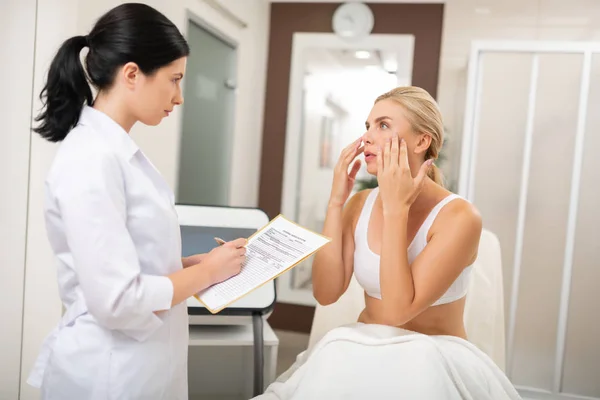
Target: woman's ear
{"type": "Point", "coordinates": [423, 143]}
{"type": "Point", "coordinates": [130, 73]}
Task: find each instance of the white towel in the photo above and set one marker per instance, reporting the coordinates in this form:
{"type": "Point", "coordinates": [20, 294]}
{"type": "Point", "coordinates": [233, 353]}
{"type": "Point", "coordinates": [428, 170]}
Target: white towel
{"type": "Point", "coordinates": [362, 361]}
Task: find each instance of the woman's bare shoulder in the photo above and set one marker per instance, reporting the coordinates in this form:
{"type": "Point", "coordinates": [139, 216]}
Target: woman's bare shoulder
{"type": "Point", "coordinates": [357, 201]}
{"type": "Point", "coordinates": [459, 213]}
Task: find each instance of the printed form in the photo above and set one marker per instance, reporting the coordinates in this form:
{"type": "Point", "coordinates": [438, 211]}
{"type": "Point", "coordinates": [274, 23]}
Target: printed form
{"type": "Point", "coordinates": [271, 251]}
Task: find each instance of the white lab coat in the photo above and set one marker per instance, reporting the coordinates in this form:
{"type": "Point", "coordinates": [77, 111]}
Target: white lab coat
{"type": "Point", "coordinates": [112, 224]}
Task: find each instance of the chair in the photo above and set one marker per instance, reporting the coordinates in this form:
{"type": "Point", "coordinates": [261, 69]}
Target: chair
{"type": "Point", "coordinates": [484, 308]}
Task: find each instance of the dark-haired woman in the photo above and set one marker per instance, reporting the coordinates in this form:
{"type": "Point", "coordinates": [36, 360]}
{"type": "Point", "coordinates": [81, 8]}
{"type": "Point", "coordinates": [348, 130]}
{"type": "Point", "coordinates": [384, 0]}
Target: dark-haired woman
{"type": "Point", "coordinates": [111, 221]}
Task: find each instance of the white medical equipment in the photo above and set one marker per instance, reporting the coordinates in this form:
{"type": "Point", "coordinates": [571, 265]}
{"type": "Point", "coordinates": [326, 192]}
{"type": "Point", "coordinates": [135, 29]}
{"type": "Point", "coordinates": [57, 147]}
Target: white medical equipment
{"type": "Point", "coordinates": [484, 309]}
{"type": "Point", "coordinates": [199, 227]}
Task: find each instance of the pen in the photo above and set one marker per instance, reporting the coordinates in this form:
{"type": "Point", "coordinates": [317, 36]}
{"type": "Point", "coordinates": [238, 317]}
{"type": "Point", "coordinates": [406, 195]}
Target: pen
{"type": "Point", "coordinates": [220, 241]}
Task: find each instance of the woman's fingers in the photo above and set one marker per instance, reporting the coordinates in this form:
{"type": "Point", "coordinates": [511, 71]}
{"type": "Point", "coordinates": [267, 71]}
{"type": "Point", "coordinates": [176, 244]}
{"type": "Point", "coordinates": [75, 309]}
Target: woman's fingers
{"type": "Point", "coordinates": [379, 162]}
{"type": "Point", "coordinates": [354, 170]}
{"type": "Point", "coordinates": [420, 179]}
{"type": "Point", "coordinates": [350, 152]}
{"type": "Point", "coordinates": [394, 151]}
{"type": "Point", "coordinates": [403, 156]}
{"type": "Point", "coordinates": [386, 154]}
{"type": "Point", "coordinates": [352, 147]}
{"type": "Point", "coordinates": [238, 243]}
{"type": "Point", "coordinates": [350, 157]}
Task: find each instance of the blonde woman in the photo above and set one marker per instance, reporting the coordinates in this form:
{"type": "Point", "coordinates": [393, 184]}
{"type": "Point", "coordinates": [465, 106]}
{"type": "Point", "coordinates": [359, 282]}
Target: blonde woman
{"type": "Point", "coordinates": [410, 244]}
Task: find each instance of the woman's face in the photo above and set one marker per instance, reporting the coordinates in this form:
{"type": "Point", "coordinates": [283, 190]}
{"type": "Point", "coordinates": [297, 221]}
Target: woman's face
{"type": "Point", "coordinates": [386, 120]}
{"type": "Point", "coordinates": [157, 95]}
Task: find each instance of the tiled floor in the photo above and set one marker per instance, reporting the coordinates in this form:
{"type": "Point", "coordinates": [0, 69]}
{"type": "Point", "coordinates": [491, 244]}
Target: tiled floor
{"type": "Point", "coordinates": [290, 345]}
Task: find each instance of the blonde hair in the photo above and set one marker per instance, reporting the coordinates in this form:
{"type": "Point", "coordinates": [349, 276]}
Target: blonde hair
{"type": "Point", "coordinates": [425, 117]}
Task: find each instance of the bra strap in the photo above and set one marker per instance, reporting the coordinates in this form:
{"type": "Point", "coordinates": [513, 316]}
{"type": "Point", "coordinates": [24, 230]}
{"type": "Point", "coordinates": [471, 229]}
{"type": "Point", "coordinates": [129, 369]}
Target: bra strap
{"type": "Point", "coordinates": [435, 211]}
{"type": "Point", "coordinates": [362, 225]}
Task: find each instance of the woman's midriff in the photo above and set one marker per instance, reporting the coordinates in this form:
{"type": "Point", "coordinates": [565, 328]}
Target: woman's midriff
{"type": "Point", "coordinates": [445, 319]}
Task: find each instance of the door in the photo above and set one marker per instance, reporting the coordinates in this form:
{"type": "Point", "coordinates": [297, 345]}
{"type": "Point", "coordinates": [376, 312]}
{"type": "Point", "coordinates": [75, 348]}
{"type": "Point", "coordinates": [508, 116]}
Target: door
{"type": "Point", "coordinates": [529, 164]}
{"type": "Point", "coordinates": [208, 120]}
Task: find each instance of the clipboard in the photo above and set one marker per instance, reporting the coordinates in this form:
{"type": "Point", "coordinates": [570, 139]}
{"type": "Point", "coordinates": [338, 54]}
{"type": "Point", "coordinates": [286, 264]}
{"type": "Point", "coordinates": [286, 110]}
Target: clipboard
{"type": "Point", "coordinates": [199, 225]}
{"type": "Point", "coordinates": [286, 269]}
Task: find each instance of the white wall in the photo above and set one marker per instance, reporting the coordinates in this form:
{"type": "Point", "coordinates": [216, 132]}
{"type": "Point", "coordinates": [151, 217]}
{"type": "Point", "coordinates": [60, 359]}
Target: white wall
{"type": "Point", "coordinates": [17, 22]}
{"type": "Point", "coordinates": [56, 21]}
{"type": "Point", "coordinates": [468, 20]}
{"type": "Point", "coordinates": [161, 144]}
{"type": "Point", "coordinates": [502, 122]}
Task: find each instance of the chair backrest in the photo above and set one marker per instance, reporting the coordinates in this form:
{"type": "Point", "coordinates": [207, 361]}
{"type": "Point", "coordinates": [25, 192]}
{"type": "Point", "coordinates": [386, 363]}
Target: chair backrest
{"type": "Point", "coordinates": [484, 308]}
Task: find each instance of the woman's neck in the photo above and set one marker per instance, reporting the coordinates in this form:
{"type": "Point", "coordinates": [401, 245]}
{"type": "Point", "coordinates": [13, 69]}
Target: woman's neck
{"type": "Point", "coordinates": [430, 193]}
{"type": "Point", "coordinates": [114, 109]}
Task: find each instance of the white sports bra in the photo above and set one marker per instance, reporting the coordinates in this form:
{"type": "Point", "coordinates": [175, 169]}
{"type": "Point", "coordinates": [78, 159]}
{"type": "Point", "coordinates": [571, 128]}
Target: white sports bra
{"type": "Point", "coordinates": [366, 262]}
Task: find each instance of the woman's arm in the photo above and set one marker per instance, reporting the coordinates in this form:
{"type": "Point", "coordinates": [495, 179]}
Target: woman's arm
{"type": "Point", "coordinates": [189, 281]}
{"type": "Point", "coordinates": [332, 266]}
{"type": "Point", "coordinates": [192, 260]}
{"type": "Point", "coordinates": [220, 264]}
{"type": "Point", "coordinates": [407, 291]}
{"type": "Point", "coordinates": [118, 294]}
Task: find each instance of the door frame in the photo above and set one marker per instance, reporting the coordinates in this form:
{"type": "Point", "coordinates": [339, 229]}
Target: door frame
{"type": "Point", "coordinates": [468, 167]}
{"type": "Point", "coordinates": [401, 44]}
{"type": "Point", "coordinates": [191, 16]}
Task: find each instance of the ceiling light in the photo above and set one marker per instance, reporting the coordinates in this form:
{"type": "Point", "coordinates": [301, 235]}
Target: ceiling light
{"type": "Point", "coordinates": [362, 54]}
{"type": "Point", "coordinates": [483, 11]}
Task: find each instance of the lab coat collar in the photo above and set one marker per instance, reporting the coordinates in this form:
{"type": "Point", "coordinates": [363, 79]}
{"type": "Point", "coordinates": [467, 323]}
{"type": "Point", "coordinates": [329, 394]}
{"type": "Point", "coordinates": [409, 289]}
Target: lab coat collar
{"type": "Point", "coordinates": [110, 130]}
{"type": "Point", "coordinates": [122, 141]}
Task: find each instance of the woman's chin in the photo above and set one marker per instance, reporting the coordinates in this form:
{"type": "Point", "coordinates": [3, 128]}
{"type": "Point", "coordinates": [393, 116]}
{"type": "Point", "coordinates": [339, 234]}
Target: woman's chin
{"type": "Point", "coordinates": [153, 119]}
{"type": "Point", "coordinates": [372, 169]}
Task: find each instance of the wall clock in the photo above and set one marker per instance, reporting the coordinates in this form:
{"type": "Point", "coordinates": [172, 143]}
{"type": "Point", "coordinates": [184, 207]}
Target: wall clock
{"type": "Point", "coordinates": [353, 20]}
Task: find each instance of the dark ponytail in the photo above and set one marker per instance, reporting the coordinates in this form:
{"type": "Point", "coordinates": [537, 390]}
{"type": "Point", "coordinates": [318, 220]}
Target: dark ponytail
{"type": "Point", "coordinates": [130, 32]}
{"type": "Point", "coordinates": [65, 92]}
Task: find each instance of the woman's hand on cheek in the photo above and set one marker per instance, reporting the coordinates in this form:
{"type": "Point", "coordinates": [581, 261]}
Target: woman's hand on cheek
{"type": "Point", "coordinates": [397, 188]}
{"type": "Point", "coordinates": [343, 180]}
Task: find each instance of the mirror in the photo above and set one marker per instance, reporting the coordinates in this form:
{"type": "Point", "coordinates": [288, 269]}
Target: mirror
{"type": "Point", "coordinates": [332, 89]}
